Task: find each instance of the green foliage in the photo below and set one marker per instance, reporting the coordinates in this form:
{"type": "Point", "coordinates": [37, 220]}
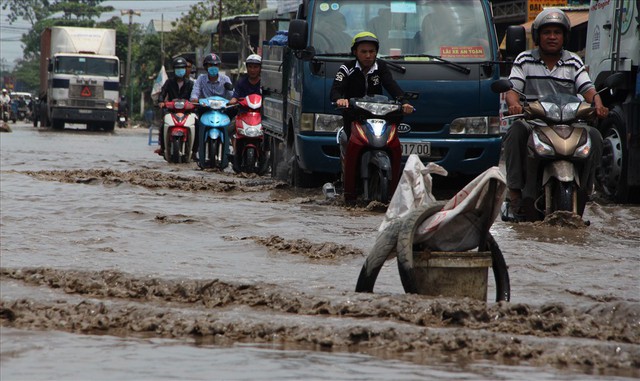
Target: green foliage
{"type": "Point", "coordinates": [27, 72]}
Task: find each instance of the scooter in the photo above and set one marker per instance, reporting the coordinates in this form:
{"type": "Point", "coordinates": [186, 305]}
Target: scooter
{"type": "Point", "coordinates": [371, 156]}
{"type": "Point", "coordinates": [122, 119]}
{"type": "Point", "coordinates": [179, 130]}
{"type": "Point", "coordinates": [213, 148]}
{"type": "Point", "coordinates": [560, 145]}
{"type": "Point", "coordinates": [249, 153]}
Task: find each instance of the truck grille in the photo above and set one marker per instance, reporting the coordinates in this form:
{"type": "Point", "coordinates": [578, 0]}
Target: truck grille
{"type": "Point", "coordinates": [86, 91]}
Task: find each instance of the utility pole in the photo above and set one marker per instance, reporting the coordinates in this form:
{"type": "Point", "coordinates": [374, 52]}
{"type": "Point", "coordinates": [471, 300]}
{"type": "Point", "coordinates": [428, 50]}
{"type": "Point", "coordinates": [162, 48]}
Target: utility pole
{"type": "Point", "coordinates": [127, 78]}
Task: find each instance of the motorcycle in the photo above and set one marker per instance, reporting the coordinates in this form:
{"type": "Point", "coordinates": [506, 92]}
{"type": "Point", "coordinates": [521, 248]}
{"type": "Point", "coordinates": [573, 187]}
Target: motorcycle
{"type": "Point", "coordinates": [371, 156]}
{"type": "Point", "coordinates": [6, 114]}
{"type": "Point", "coordinates": [179, 126]}
{"type": "Point", "coordinates": [122, 119]}
{"type": "Point", "coordinates": [213, 148]}
{"type": "Point", "coordinates": [560, 145]}
{"type": "Point", "coordinates": [249, 153]}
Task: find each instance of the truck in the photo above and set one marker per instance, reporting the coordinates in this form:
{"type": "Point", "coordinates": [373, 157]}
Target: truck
{"type": "Point", "coordinates": [613, 46]}
{"type": "Point", "coordinates": [79, 77]}
{"type": "Point", "coordinates": [444, 50]}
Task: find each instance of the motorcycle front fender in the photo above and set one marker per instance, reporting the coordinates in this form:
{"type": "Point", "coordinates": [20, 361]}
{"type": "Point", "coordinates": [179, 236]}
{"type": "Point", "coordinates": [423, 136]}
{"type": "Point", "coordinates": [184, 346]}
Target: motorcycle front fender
{"type": "Point", "coordinates": [563, 170]}
{"type": "Point", "coordinates": [215, 133]}
{"type": "Point", "coordinates": [379, 159]}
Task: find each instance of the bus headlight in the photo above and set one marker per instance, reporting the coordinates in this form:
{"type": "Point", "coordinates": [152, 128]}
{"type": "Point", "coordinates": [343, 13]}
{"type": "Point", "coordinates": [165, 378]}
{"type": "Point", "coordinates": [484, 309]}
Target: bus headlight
{"type": "Point", "coordinates": [478, 125]}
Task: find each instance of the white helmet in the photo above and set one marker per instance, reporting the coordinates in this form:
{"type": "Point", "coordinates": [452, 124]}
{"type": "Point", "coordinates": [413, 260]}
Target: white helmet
{"type": "Point", "coordinates": [254, 59]}
{"type": "Point", "coordinates": [4, 90]}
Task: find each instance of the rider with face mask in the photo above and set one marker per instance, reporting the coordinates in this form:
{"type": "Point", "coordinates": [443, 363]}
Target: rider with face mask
{"type": "Point", "coordinates": [178, 87]}
{"type": "Point", "coordinates": [210, 84]}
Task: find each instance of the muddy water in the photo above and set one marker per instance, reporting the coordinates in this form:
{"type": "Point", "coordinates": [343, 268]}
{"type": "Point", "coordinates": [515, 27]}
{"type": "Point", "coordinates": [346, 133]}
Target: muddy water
{"type": "Point", "coordinates": [116, 265]}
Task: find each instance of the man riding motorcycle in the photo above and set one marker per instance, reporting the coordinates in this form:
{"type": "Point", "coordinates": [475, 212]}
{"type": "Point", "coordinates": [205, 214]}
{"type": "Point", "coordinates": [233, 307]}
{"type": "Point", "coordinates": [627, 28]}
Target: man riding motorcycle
{"type": "Point", "coordinates": [207, 85]}
{"type": "Point", "coordinates": [178, 87]}
{"type": "Point", "coordinates": [547, 69]}
{"type": "Point", "coordinates": [5, 102]}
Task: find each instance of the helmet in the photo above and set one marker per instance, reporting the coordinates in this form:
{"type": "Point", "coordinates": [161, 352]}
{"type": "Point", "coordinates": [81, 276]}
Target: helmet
{"type": "Point", "coordinates": [179, 62]}
{"type": "Point", "coordinates": [550, 16]}
{"type": "Point", "coordinates": [364, 37]}
{"type": "Point", "coordinates": [4, 90]}
{"type": "Point", "coordinates": [254, 59]}
{"type": "Point", "coordinates": [211, 59]}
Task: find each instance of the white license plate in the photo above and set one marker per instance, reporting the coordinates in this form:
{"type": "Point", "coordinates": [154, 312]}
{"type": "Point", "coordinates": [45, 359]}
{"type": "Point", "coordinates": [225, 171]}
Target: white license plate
{"type": "Point", "coordinates": [420, 149]}
{"type": "Point", "coordinates": [81, 111]}
{"type": "Point", "coordinates": [122, 119]}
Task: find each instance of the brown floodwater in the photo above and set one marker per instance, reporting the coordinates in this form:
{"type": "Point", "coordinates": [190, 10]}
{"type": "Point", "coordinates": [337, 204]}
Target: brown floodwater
{"type": "Point", "coordinates": [116, 265]}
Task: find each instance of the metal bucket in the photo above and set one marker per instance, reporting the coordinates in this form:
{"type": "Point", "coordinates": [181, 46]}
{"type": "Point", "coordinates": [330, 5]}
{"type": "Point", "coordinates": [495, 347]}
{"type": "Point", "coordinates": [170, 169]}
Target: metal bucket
{"type": "Point", "coordinates": [452, 274]}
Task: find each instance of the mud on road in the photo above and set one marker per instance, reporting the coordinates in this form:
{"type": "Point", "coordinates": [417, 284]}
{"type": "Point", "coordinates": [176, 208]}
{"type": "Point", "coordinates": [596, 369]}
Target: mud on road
{"type": "Point", "coordinates": [284, 273]}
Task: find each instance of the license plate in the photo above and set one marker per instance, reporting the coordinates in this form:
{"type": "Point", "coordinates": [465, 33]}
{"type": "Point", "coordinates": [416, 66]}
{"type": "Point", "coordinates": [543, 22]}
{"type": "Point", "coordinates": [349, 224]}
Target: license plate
{"type": "Point", "coordinates": [122, 119]}
{"type": "Point", "coordinates": [84, 111]}
{"type": "Point", "coordinates": [421, 149]}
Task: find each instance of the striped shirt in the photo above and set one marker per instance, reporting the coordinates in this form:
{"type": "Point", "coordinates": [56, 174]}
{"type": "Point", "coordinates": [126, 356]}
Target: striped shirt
{"type": "Point", "coordinates": [530, 75]}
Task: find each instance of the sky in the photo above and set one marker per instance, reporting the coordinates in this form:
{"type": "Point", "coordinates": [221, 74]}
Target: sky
{"type": "Point", "coordinates": [11, 47]}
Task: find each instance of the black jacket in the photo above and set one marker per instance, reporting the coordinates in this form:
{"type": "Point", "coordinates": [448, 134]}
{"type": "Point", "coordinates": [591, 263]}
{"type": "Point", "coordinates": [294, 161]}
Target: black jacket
{"type": "Point", "coordinates": [350, 82]}
{"type": "Point", "coordinates": [170, 90]}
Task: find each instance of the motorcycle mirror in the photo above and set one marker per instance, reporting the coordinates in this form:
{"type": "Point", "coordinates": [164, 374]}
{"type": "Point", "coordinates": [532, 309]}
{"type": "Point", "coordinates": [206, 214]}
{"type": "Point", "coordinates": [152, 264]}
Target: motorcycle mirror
{"type": "Point", "coordinates": [228, 86]}
{"type": "Point", "coordinates": [501, 86]}
{"type": "Point", "coordinates": [613, 81]}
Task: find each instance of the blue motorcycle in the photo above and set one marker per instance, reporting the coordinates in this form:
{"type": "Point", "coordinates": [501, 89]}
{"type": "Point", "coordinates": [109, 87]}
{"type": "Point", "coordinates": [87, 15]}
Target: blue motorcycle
{"type": "Point", "coordinates": [213, 140]}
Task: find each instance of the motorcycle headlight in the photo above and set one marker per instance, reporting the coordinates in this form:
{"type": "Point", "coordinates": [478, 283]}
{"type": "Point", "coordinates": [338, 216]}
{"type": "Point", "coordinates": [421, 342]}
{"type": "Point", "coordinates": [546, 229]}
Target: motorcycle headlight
{"type": "Point", "coordinates": [179, 105]}
{"type": "Point", "coordinates": [479, 125]}
{"type": "Point", "coordinates": [552, 111]}
{"type": "Point", "coordinates": [215, 104]}
{"type": "Point", "coordinates": [541, 145]}
{"type": "Point", "coordinates": [378, 108]}
{"type": "Point", "coordinates": [570, 110]}
{"type": "Point", "coordinates": [584, 147]}
{"type": "Point", "coordinates": [250, 131]}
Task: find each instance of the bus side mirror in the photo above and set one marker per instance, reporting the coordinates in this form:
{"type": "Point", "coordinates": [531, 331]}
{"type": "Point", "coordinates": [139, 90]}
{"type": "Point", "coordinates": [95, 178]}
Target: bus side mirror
{"type": "Point", "coordinates": [298, 30]}
{"type": "Point", "coordinates": [516, 40]}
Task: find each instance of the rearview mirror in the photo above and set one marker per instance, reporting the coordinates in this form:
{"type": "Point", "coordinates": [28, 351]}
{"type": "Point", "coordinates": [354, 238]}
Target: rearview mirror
{"type": "Point", "coordinates": [501, 86]}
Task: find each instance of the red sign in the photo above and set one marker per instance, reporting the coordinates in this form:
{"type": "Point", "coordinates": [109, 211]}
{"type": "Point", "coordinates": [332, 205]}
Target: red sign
{"type": "Point", "coordinates": [461, 52]}
{"type": "Point", "coordinates": [86, 92]}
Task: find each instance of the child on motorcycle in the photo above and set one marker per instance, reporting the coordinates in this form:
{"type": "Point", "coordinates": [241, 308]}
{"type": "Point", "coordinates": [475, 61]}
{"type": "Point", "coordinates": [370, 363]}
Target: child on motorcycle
{"type": "Point", "coordinates": [547, 69]}
{"type": "Point", "coordinates": [250, 84]}
{"type": "Point", "coordinates": [178, 87]}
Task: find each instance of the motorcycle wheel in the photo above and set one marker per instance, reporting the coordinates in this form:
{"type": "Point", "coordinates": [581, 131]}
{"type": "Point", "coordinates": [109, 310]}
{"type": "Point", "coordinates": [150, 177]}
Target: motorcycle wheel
{"type": "Point", "coordinates": [378, 186]}
{"type": "Point", "coordinates": [249, 160]}
{"type": "Point", "coordinates": [563, 196]}
{"type": "Point", "coordinates": [175, 151]}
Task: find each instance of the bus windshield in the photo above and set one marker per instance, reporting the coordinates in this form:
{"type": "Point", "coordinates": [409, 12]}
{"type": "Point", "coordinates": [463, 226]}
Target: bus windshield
{"type": "Point", "coordinates": [86, 65]}
{"type": "Point", "coordinates": [455, 30]}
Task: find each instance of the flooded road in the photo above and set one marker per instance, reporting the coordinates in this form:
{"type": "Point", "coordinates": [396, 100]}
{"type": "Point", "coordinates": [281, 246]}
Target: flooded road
{"type": "Point", "coordinates": [117, 265]}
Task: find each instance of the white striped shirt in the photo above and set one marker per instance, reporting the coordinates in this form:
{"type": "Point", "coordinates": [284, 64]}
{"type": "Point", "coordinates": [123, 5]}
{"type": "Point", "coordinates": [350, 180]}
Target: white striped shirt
{"type": "Point", "coordinates": [530, 75]}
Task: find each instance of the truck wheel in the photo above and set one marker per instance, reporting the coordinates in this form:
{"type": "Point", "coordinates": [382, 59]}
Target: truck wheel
{"type": "Point", "coordinates": [108, 126]}
{"type": "Point", "coordinates": [614, 167]}
{"type": "Point", "coordinates": [57, 124]}
{"type": "Point", "coordinates": [279, 168]}
{"type": "Point", "coordinates": [297, 177]}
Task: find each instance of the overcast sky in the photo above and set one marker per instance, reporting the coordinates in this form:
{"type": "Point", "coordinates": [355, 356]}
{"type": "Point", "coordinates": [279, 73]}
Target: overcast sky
{"type": "Point", "coordinates": [11, 47]}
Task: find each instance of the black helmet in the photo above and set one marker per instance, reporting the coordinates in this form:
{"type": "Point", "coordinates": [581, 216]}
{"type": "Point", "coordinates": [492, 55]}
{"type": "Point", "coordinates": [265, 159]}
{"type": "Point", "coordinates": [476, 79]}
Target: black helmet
{"type": "Point", "coordinates": [179, 62]}
{"type": "Point", "coordinates": [364, 37]}
{"type": "Point", "coordinates": [547, 17]}
{"type": "Point", "coordinates": [211, 59]}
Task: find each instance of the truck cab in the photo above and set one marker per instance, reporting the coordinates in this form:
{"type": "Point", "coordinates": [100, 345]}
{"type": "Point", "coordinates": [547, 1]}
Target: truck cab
{"type": "Point", "coordinates": [444, 50]}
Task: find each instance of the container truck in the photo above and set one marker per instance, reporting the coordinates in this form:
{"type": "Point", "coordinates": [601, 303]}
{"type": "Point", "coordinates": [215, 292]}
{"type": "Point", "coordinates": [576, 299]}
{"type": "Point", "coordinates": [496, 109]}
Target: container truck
{"type": "Point", "coordinates": [79, 77]}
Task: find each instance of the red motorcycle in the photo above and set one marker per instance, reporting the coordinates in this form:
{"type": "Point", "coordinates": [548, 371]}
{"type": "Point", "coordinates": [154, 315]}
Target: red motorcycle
{"type": "Point", "coordinates": [179, 130]}
{"type": "Point", "coordinates": [249, 153]}
{"type": "Point", "coordinates": [371, 157]}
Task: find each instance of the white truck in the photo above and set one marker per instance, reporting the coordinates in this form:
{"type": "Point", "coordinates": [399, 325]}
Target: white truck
{"type": "Point", "coordinates": [79, 77]}
{"type": "Point", "coordinates": [613, 46]}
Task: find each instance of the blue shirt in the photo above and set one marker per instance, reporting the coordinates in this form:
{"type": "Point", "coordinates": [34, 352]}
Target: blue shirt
{"type": "Point", "coordinates": [203, 88]}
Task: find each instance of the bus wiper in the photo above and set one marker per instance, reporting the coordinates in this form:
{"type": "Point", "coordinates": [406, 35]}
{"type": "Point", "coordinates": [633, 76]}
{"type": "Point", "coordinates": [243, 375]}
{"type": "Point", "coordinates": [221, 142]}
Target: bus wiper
{"type": "Point", "coordinates": [393, 65]}
{"type": "Point", "coordinates": [456, 66]}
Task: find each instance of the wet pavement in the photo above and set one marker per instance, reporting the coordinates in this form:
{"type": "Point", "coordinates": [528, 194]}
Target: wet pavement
{"type": "Point", "coordinates": [112, 259]}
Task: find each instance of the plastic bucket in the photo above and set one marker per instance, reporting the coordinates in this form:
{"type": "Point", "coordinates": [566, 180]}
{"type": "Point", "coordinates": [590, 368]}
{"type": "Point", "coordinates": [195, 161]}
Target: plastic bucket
{"type": "Point", "coordinates": [452, 274]}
